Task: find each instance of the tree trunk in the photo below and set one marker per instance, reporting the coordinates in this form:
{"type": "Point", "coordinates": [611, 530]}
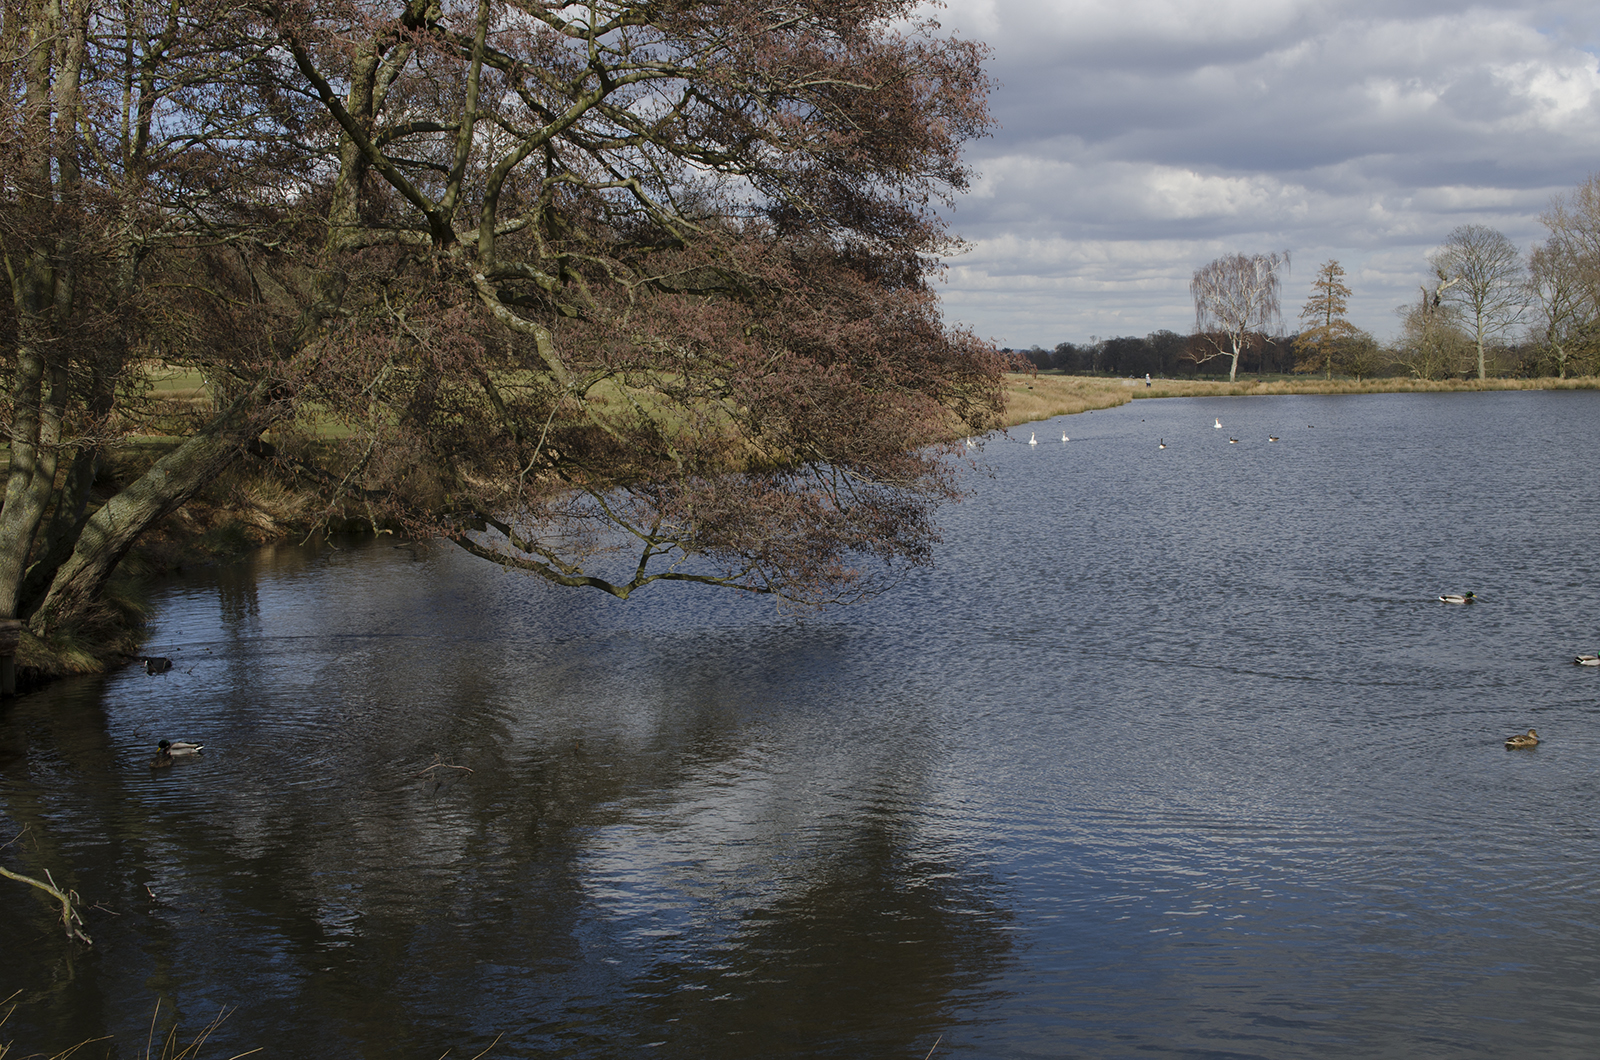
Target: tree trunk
{"type": "Point", "coordinates": [173, 479]}
{"type": "Point", "coordinates": [43, 281]}
{"type": "Point", "coordinates": [1479, 320]}
{"type": "Point", "coordinates": [61, 535]}
{"type": "Point", "coordinates": [35, 431]}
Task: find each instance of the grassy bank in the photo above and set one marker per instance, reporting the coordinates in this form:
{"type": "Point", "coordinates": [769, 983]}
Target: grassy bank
{"type": "Point", "coordinates": [1041, 397]}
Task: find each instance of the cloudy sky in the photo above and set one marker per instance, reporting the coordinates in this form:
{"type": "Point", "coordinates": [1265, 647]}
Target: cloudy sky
{"type": "Point", "coordinates": [1140, 139]}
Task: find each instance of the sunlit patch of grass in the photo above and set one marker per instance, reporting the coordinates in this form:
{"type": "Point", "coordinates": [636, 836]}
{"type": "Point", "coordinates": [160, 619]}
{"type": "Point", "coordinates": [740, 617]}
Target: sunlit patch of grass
{"type": "Point", "coordinates": [1030, 398]}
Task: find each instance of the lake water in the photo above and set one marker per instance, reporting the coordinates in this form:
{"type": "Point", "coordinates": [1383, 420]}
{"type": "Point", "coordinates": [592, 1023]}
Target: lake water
{"type": "Point", "coordinates": [1176, 753]}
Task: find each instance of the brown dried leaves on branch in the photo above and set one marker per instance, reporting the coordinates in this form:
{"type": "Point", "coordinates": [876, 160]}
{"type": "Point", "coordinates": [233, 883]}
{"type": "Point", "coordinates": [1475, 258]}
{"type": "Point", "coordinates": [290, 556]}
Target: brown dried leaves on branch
{"type": "Point", "coordinates": [671, 301]}
{"type": "Point", "coordinates": [631, 280]}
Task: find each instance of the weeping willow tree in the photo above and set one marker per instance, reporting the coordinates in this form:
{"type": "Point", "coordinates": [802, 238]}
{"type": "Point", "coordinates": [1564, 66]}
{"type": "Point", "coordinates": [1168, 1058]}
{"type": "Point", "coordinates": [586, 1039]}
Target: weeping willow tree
{"type": "Point", "coordinates": [1234, 297]}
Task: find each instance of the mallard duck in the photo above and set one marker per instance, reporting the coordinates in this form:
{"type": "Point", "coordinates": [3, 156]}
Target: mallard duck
{"type": "Point", "coordinates": [1587, 660]}
{"type": "Point", "coordinates": [178, 748]}
{"type": "Point", "coordinates": [1458, 598]}
{"type": "Point", "coordinates": [156, 664]}
{"type": "Point", "coordinates": [1519, 740]}
{"type": "Point", "coordinates": [160, 760]}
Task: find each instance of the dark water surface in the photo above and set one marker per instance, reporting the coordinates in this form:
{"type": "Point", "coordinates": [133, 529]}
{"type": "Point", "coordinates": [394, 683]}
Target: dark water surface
{"type": "Point", "coordinates": [1175, 754]}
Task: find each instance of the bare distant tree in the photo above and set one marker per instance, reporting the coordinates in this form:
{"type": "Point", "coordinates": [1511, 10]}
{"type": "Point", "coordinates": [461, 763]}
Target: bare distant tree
{"type": "Point", "coordinates": [1563, 315]}
{"type": "Point", "coordinates": [1432, 344]}
{"type": "Point", "coordinates": [1489, 283]}
{"type": "Point", "coordinates": [1564, 279]}
{"type": "Point", "coordinates": [1574, 218]}
{"type": "Point", "coordinates": [1360, 355]}
{"type": "Point", "coordinates": [1234, 296]}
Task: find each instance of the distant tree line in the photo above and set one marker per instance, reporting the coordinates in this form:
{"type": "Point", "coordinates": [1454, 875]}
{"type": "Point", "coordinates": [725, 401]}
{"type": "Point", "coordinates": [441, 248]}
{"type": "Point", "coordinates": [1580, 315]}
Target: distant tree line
{"type": "Point", "coordinates": [1486, 308]}
{"type": "Point", "coordinates": [1160, 353]}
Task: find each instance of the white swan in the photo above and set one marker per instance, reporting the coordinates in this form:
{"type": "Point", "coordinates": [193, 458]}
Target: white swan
{"type": "Point", "coordinates": [1064, 437]}
{"type": "Point", "coordinates": [1218, 425]}
{"type": "Point", "coordinates": [1033, 438]}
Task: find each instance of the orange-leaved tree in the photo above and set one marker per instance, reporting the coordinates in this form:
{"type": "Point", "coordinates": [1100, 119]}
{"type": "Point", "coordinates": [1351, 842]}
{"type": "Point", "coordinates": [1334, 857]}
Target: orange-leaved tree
{"type": "Point", "coordinates": [1318, 344]}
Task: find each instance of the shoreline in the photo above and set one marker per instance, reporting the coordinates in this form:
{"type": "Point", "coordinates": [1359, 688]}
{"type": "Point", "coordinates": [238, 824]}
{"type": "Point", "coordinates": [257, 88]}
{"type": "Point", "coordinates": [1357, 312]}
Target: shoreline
{"type": "Point", "coordinates": [1031, 398]}
{"type": "Point", "coordinates": [250, 507]}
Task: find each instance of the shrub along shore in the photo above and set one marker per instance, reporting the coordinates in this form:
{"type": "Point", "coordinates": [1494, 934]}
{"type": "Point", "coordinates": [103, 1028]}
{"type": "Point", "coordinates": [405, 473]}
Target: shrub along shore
{"type": "Point", "coordinates": [249, 506]}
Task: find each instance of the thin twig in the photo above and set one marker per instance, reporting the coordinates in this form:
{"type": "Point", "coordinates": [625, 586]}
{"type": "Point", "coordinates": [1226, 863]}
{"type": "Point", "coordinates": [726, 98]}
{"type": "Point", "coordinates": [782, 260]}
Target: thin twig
{"type": "Point", "coordinates": [440, 763]}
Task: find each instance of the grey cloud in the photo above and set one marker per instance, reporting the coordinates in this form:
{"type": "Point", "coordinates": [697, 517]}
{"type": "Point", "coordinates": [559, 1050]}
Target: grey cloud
{"type": "Point", "coordinates": [1140, 139]}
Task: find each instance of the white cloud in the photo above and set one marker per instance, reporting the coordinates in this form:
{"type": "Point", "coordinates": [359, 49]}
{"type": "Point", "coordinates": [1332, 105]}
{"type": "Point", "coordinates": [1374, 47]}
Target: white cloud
{"type": "Point", "coordinates": [1140, 139]}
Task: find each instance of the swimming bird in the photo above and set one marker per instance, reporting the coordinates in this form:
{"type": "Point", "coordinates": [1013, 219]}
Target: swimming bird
{"type": "Point", "coordinates": [1163, 444]}
{"type": "Point", "coordinates": [1519, 740]}
{"type": "Point", "coordinates": [156, 664]}
{"type": "Point", "coordinates": [1458, 598]}
{"type": "Point", "coordinates": [179, 748]}
{"type": "Point", "coordinates": [1218, 425]}
{"type": "Point", "coordinates": [1587, 660]}
{"type": "Point", "coordinates": [1233, 441]}
{"type": "Point", "coordinates": [160, 760]}
{"type": "Point", "coordinates": [1064, 437]}
{"type": "Point", "coordinates": [1033, 438]}
{"type": "Point", "coordinates": [1272, 437]}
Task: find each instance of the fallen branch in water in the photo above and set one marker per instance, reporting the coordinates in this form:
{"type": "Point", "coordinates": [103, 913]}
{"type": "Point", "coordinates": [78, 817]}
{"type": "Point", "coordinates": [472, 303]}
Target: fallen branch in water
{"type": "Point", "coordinates": [440, 763]}
{"type": "Point", "coordinates": [69, 916]}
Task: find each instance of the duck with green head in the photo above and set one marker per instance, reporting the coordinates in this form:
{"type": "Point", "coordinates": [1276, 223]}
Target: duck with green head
{"type": "Point", "coordinates": [167, 750]}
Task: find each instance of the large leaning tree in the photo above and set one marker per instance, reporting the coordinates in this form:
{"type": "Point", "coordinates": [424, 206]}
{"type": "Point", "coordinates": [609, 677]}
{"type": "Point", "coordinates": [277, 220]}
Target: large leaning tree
{"type": "Point", "coordinates": [1234, 297]}
{"type": "Point", "coordinates": [608, 292]}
